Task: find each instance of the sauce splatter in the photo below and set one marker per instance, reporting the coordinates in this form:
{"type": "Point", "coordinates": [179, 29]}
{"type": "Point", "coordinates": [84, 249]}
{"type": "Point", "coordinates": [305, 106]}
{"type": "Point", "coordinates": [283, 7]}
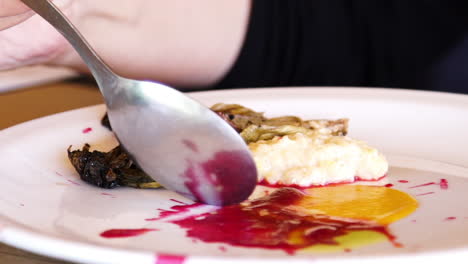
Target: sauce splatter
{"type": "Point", "coordinates": [73, 182]}
{"type": "Point", "coordinates": [357, 179]}
{"type": "Point", "coordinates": [222, 248]}
{"type": "Point", "coordinates": [450, 218]}
{"type": "Point", "coordinates": [426, 193]}
{"type": "Point", "coordinates": [108, 194]}
{"type": "Point", "coordinates": [403, 181]}
{"type": "Point", "coordinates": [443, 184]}
{"type": "Point", "coordinates": [87, 130]}
{"type": "Point", "coordinates": [123, 233]}
{"type": "Point", "coordinates": [422, 185]}
{"type": "Point", "coordinates": [276, 222]}
{"type": "Point", "coordinates": [177, 201]}
{"type": "Point", "coordinates": [190, 145]}
{"type": "Point", "coordinates": [388, 185]}
{"type": "Point", "coordinates": [169, 259]}
{"type": "Point", "coordinates": [176, 209]}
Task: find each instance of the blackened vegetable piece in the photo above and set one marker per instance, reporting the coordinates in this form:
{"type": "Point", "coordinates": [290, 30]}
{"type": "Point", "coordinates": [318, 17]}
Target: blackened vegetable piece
{"type": "Point", "coordinates": [109, 169]}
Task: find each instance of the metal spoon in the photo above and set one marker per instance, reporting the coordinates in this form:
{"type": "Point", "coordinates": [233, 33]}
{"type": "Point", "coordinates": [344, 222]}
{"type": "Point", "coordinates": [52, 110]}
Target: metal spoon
{"type": "Point", "coordinates": [180, 143]}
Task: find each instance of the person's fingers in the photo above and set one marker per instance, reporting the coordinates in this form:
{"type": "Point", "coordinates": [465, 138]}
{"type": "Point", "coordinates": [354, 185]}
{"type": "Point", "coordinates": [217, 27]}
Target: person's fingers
{"type": "Point", "coordinates": [6, 22]}
{"type": "Point", "coordinates": [12, 8]}
{"type": "Point", "coordinates": [13, 12]}
{"type": "Point", "coordinates": [27, 39]}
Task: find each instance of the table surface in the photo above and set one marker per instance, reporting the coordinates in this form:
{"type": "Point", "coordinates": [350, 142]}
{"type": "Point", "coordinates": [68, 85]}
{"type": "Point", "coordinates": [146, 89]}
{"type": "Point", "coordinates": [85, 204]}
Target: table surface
{"type": "Point", "coordinates": [27, 104]}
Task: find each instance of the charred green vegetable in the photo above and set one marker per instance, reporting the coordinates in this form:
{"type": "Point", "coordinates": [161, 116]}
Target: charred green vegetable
{"type": "Point", "coordinates": [109, 170]}
{"type": "Point", "coordinates": [254, 126]}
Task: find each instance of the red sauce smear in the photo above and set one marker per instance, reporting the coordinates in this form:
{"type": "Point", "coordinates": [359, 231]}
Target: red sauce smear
{"type": "Point", "coordinates": [176, 209]}
{"type": "Point", "coordinates": [422, 194]}
{"type": "Point", "coordinates": [123, 233]}
{"type": "Point", "coordinates": [73, 182]}
{"type": "Point", "coordinates": [87, 130]}
{"type": "Point", "coordinates": [422, 185]}
{"type": "Point", "coordinates": [388, 185]}
{"type": "Point", "coordinates": [223, 249]}
{"type": "Point", "coordinates": [189, 144]}
{"type": "Point", "coordinates": [279, 185]}
{"type": "Point", "coordinates": [443, 184]}
{"type": "Point", "coordinates": [169, 259]}
{"type": "Point", "coordinates": [403, 181]}
{"type": "Point", "coordinates": [108, 194]}
{"type": "Point", "coordinates": [450, 218]}
{"type": "Point", "coordinates": [269, 222]}
{"type": "Point", "coordinates": [177, 201]}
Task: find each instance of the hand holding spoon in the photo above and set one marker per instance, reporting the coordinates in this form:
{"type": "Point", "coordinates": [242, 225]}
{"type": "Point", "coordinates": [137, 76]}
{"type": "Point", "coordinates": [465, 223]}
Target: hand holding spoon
{"type": "Point", "coordinates": [177, 141]}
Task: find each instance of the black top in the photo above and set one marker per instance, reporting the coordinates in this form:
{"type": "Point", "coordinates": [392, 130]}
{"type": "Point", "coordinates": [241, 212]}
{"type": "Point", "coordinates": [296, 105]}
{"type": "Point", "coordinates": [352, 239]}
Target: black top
{"type": "Point", "coordinates": [419, 44]}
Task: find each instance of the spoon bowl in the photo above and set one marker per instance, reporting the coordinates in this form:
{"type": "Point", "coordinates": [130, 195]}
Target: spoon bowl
{"type": "Point", "coordinates": [177, 141]}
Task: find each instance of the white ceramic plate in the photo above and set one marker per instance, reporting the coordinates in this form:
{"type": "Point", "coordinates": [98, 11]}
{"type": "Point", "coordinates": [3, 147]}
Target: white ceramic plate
{"type": "Point", "coordinates": [45, 208]}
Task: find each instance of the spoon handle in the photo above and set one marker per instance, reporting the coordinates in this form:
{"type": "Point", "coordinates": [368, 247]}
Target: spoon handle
{"type": "Point", "coordinates": [47, 10]}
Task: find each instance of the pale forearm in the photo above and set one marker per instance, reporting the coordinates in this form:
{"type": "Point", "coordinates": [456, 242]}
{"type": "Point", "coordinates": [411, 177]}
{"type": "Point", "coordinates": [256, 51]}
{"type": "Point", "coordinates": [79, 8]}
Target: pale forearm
{"type": "Point", "coordinates": [183, 43]}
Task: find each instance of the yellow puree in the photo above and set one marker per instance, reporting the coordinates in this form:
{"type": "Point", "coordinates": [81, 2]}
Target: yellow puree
{"type": "Point", "coordinates": [372, 203]}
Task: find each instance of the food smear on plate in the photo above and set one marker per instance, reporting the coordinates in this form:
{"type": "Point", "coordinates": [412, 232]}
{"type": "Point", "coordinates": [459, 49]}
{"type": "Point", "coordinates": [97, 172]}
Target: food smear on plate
{"type": "Point", "coordinates": [87, 130]}
{"type": "Point", "coordinates": [124, 233]}
{"type": "Point", "coordinates": [443, 184]}
{"type": "Point", "coordinates": [169, 259]}
{"type": "Point", "coordinates": [317, 219]}
{"type": "Point", "coordinates": [426, 193]}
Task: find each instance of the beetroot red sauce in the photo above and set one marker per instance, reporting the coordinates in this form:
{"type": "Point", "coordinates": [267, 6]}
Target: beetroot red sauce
{"type": "Point", "coordinates": [169, 259]}
{"type": "Point", "coordinates": [73, 182]}
{"type": "Point", "coordinates": [403, 181]}
{"type": "Point", "coordinates": [190, 144]}
{"type": "Point", "coordinates": [268, 223]}
{"type": "Point", "coordinates": [177, 201]}
{"type": "Point", "coordinates": [176, 209]}
{"type": "Point", "coordinates": [426, 193]}
{"type": "Point", "coordinates": [123, 233]}
{"type": "Point", "coordinates": [279, 185]}
{"type": "Point", "coordinates": [422, 185]}
{"type": "Point", "coordinates": [108, 194]}
{"type": "Point", "coordinates": [87, 130]}
{"type": "Point", "coordinates": [232, 171]}
{"type": "Point", "coordinates": [443, 184]}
